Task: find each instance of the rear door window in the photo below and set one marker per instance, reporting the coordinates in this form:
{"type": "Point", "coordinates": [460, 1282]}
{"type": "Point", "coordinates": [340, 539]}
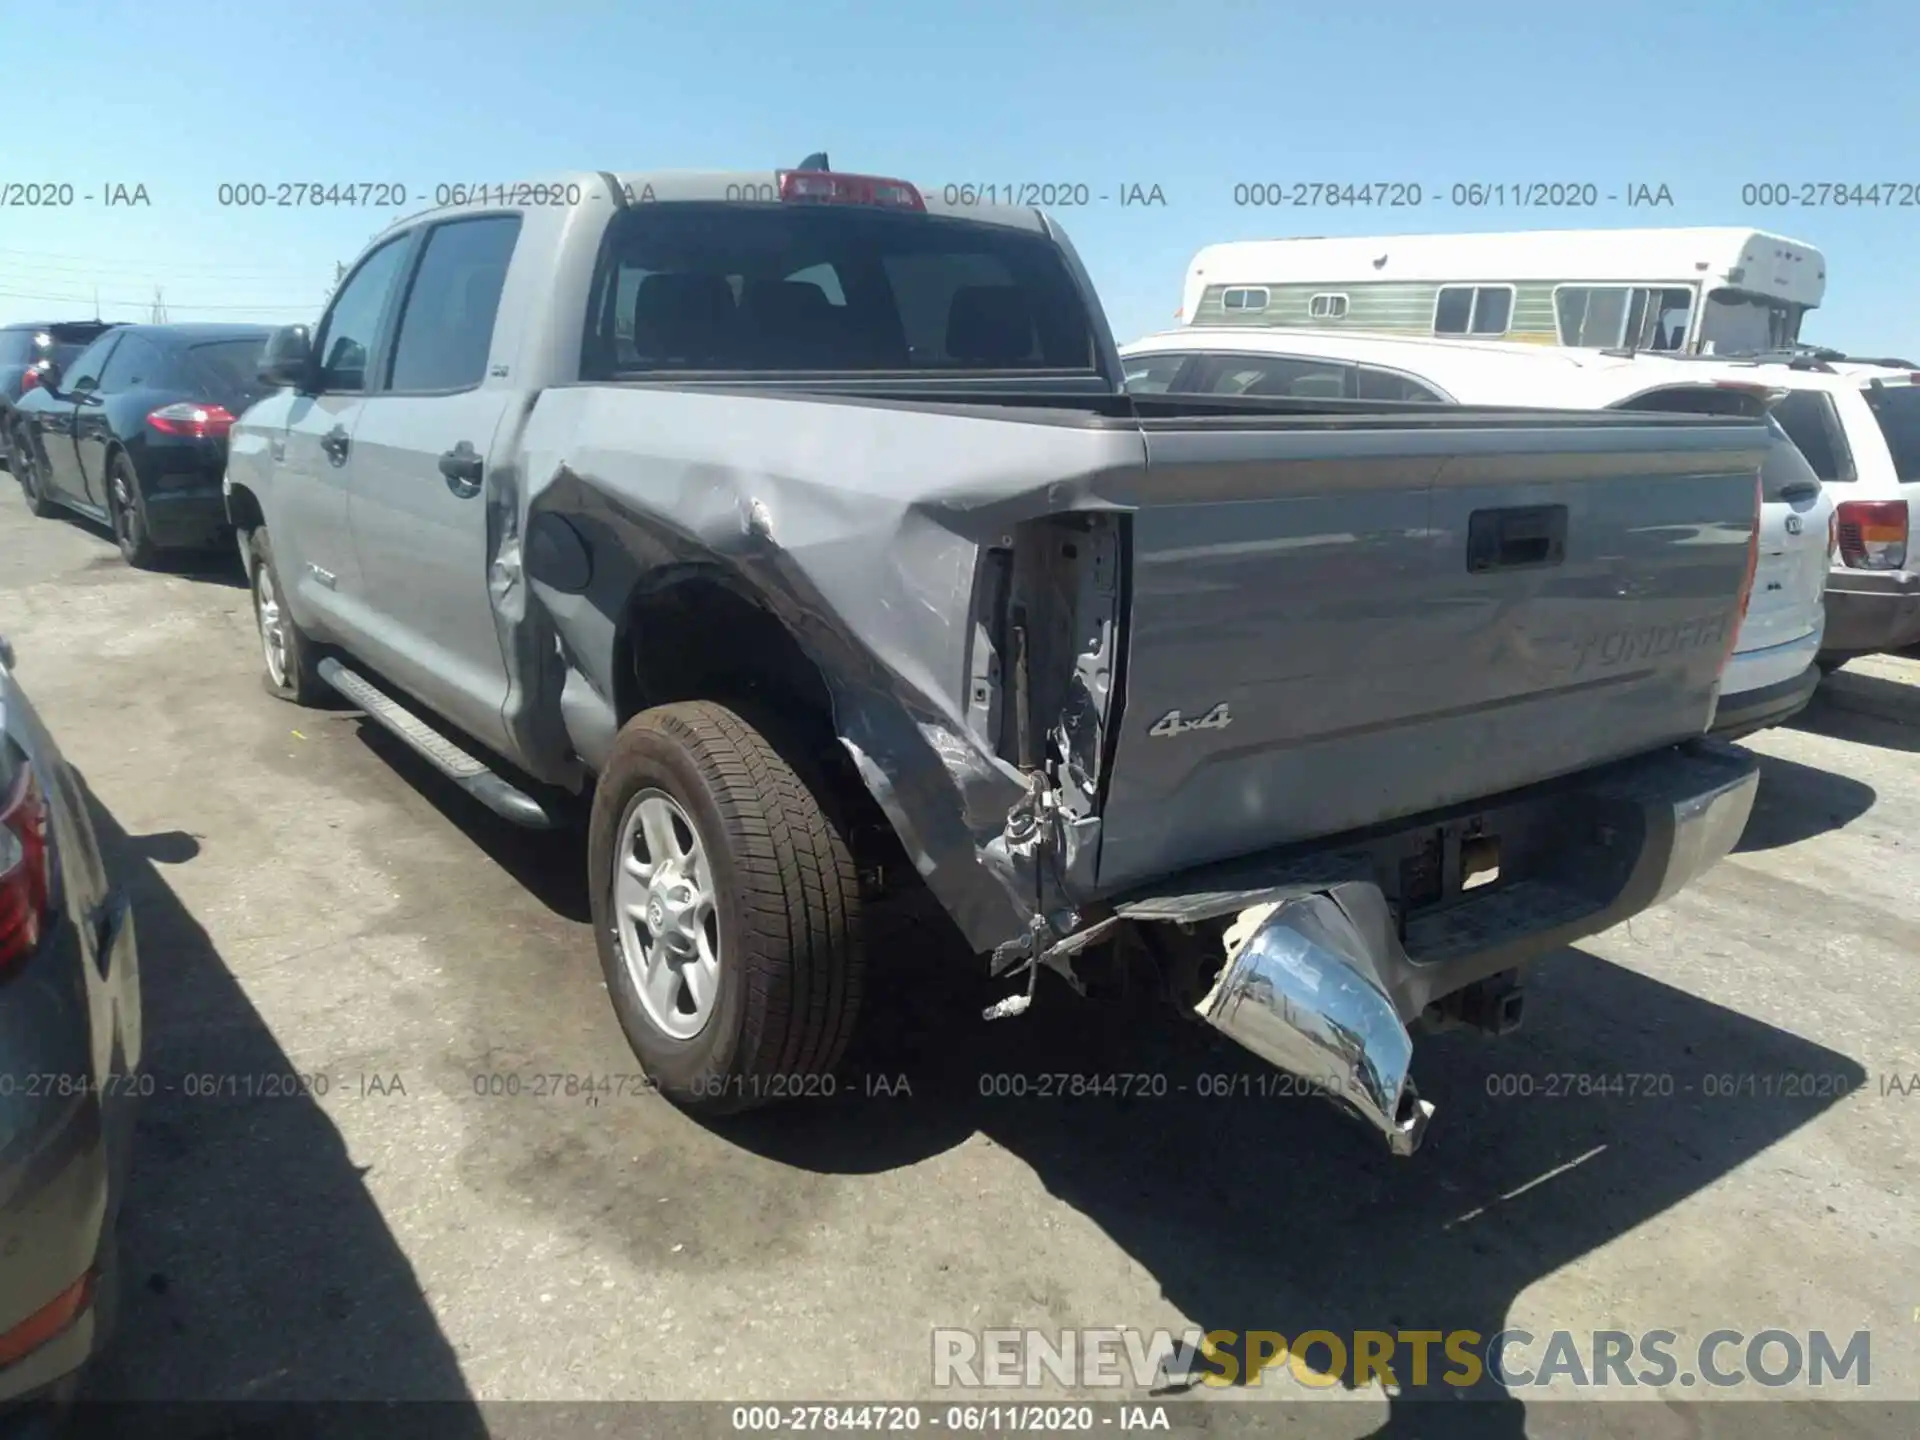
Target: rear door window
{"type": "Point", "coordinates": [1809, 418]}
{"type": "Point", "coordinates": [16, 347]}
{"type": "Point", "coordinates": [1153, 374]}
{"type": "Point", "coordinates": [1377, 384]}
{"type": "Point", "coordinates": [229, 370]}
{"type": "Point", "coordinates": [446, 329]}
{"type": "Point", "coordinates": [1897, 410]}
{"type": "Point", "coordinates": [695, 286]}
{"type": "Point", "coordinates": [84, 372]}
{"type": "Point", "coordinates": [1297, 376]}
{"type": "Point", "coordinates": [135, 363]}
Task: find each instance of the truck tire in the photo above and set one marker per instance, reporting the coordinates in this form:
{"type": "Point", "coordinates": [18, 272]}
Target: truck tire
{"type": "Point", "coordinates": [290, 659]}
{"type": "Point", "coordinates": [727, 910]}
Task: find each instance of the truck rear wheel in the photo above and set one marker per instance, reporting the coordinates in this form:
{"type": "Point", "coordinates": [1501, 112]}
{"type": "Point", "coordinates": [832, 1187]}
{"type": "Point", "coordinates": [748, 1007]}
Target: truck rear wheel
{"type": "Point", "coordinates": [727, 910]}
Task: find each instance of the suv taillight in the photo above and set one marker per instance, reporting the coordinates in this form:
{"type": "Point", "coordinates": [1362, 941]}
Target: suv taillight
{"type": "Point", "coordinates": [1872, 533]}
{"type": "Point", "coordinates": [26, 869]}
{"type": "Point", "coordinates": [30, 380]}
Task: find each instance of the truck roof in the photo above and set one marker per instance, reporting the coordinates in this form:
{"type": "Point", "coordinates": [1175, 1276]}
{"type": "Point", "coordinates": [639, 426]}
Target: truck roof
{"type": "Point", "coordinates": [746, 187]}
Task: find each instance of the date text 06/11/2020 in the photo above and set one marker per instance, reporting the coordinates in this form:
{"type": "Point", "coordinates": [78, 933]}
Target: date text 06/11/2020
{"type": "Point", "coordinates": [1462, 195]}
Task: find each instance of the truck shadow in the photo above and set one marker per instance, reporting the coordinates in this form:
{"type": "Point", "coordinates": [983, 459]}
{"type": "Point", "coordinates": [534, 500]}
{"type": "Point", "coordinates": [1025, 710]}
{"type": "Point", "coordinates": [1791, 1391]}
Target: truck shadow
{"type": "Point", "coordinates": [1797, 802]}
{"type": "Point", "coordinates": [1276, 1213]}
{"type": "Point", "coordinates": [1864, 710]}
{"type": "Point", "coordinates": [257, 1270]}
{"type": "Point", "coordinates": [550, 865]}
{"type": "Point", "coordinates": [1272, 1212]}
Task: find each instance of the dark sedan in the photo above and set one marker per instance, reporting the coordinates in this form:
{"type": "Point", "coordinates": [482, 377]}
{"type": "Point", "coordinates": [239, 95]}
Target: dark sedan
{"type": "Point", "coordinates": [133, 433]}
{"type": "Point", "coordinates": [25, 347]}
{"type": "Point", "coordinates": [70, 1076]}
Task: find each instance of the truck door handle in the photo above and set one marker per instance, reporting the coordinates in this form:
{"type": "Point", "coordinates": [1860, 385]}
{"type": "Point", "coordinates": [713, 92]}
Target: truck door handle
{"type": "Point", "coordinates": [1522, 537]}
{"type": "Point", "coordinates": [461, 466]}
{"type": "Point", "coordinates": [335, 443]}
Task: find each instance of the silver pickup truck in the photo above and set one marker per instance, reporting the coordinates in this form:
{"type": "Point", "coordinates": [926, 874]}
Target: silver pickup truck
{"type": "Point", "coordinates": [804, 525]}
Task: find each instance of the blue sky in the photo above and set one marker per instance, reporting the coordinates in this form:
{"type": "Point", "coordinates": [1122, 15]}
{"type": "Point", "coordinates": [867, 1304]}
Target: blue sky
{"type": "Point", "coordinates": [1193, 98]}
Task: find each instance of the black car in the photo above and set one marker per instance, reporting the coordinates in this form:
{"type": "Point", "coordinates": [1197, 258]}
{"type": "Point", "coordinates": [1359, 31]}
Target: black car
{"type": "Point", "coordinates": [27, 345]}
{"type": "Point", "coordinates": [134, 432]}
{"type": "Point", "coordinates": [70, 1070]}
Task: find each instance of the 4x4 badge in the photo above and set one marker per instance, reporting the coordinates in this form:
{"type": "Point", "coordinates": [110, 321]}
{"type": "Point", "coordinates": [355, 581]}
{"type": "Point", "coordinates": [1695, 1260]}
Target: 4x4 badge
{"type": "Point", "coordinates": [1171, 723]}
{"type": "Point", "coordinates": [1795, 524]}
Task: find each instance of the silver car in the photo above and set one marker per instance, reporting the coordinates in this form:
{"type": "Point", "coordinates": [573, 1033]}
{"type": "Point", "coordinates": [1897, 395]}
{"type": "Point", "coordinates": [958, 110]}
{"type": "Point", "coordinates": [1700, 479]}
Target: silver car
{"type": "Point", "coordinates": [69, 1068]}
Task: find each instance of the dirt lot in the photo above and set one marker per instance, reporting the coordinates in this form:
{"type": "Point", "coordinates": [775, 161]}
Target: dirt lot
{"type": "Point", "coordinates": [310, 899]}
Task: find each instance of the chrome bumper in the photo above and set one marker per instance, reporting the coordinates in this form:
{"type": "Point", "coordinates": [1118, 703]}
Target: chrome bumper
{"type": "Point", "coordinates": [1301, 990]}
{"type": "Point", "coordinates": [1320, 985]}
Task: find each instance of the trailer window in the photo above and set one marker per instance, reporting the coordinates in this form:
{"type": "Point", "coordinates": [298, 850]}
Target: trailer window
{"type": "Point", "coordinates": [1327, 307]}
{"type": "Point", "coordinates": [1473, 310]}
{"type": "Point", "coordinates": [1243, 298]}
{"type": "Point", "coordinates": [1645, 317]}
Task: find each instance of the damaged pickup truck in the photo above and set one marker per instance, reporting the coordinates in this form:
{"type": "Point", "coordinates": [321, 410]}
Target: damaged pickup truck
{"type": "Point", "coordinates": [804, 527]}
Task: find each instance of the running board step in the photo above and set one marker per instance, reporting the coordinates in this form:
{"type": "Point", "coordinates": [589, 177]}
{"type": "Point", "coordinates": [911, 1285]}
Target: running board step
{"type": "Point", "coordinates": [468, 772]}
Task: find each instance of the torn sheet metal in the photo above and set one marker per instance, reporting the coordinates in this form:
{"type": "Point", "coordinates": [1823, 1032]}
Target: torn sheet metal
{"type": "Point", "coordinates": [861, 525]}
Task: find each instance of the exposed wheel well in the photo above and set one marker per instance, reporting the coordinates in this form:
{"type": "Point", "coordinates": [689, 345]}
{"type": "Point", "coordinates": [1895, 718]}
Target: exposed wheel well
{"type": "Point", "coordinates": [244, 509]}
{"type": "Point", "coordinates": [700, 639]}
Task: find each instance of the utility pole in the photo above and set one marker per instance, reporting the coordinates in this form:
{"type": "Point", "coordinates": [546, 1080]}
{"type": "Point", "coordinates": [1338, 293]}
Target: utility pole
{"type": "Point", "coordinates": [96, 302]}
{"type": "Point", "coordinates": [159, 315]}
{"type": "Point", "coordinates": [339, 274]}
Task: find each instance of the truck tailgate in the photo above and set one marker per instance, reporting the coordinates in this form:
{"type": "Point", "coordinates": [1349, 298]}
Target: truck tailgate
{"type": "Point", "coordinates": [1339, 622]}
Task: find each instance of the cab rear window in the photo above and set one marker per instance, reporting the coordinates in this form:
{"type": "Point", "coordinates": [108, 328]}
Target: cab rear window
{"type": "Point", "coordinates": [835, 289]}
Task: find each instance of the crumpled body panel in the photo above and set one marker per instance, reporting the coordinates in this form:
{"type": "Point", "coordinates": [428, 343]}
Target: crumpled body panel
{"type": "Point", "coordinates": [861, 525]}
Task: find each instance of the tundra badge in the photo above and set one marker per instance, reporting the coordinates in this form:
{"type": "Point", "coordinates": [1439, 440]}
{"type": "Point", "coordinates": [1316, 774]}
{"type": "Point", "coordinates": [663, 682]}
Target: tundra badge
{"type": "Point", "coordinates": [1171, 723]}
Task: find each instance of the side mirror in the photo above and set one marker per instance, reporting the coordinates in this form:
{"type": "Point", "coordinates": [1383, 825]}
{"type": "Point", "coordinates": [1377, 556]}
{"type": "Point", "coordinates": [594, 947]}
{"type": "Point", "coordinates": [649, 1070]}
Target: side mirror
{"type": "Point", "coordinates": [287, 358]}
{"type": "Point", "coordinates": [6, 654]}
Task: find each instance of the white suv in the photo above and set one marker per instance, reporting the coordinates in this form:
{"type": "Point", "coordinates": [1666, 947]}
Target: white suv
{"type": "Point", "coordinates": [1773, 671]}
{"type": "Point", "coordinates": [1858, 424]}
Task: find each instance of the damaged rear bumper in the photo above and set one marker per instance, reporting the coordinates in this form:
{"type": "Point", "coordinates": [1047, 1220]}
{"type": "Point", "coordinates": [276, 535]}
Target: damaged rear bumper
{"type": "Point", "coordinates": [1302, 990]}
{"type": "Point", "coordinates": [1324, 978]}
